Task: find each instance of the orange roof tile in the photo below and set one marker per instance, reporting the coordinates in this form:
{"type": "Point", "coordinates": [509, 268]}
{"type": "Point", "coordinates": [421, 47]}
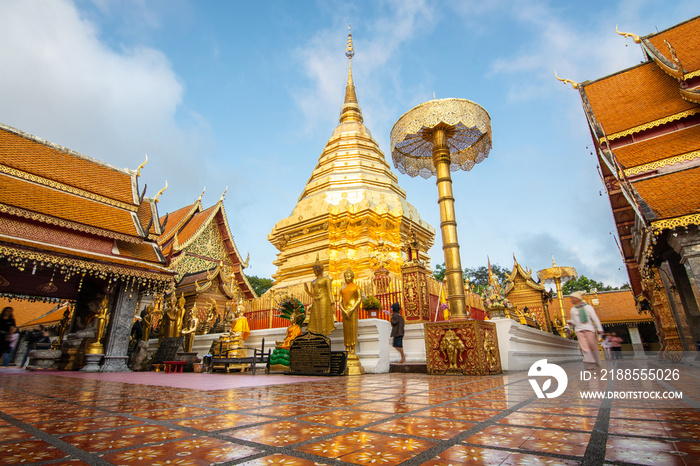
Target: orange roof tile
{"type": "Point", "coordinates": [659, 148]}
{"type": "Point", "coordinates": [685, 39]}
{"type": "Point", "coordinates": [672, 195]}
{"type": "Point", "coordinates": [142, 251]}
{"type": "Point", "coordinates": [635, 97]}
{"type": "Point", "coordinates": [195, 223]}
{"type": "Point", "coordinates": [24, 152]}
{"type": "Point", "coordinates": [175, 220]}
{"type": "Point", "coordinates": [612, 307]}
{"type": "Point", "coordinates": [58, 204]}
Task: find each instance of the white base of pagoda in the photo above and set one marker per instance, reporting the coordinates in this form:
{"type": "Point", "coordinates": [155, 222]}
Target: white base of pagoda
{"type": "Point", "coordinates": [520, 346]}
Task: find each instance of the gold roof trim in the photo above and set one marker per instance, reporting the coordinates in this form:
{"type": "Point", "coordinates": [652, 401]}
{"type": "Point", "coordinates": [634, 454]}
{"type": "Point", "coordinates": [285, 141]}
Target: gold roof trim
{"type": "Point", "coordinates": [66, 188]}
{"type": "Point", "coordinates": [669, 224]}
{"type": "Point", "coordinates": [163, 276]}
{"type": "Point", "coordinates": [651, 124]}
{"type": "Point", "coordinates": [6, 209]}
{"type": "Point", "coordinates": [662, 163]}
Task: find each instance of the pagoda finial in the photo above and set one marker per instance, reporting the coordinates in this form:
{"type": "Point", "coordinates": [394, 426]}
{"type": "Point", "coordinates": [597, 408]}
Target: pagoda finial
{"type": "Point", "coordinates": [351, 109]}
{"type": "Point", "coordinates": [554, 264]}
{"type": "Point", "coordinates": [349, 51]}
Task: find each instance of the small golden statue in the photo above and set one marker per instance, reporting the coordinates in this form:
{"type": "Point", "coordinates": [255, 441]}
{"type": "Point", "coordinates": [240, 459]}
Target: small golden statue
{"type": "Point", "coordinates": [320, 316]}
{"type": "Point", "coordinates": [147, 321]}
{"type": "Point", "coordinates": [350, 305]}
{"type": "Point", "coordinates": [189, 326]}
{"type": "Point", "coordinates": [168, 327]}
{"type": "Point", "coordinates": [490, 348]}
{"type": "Point", "coordinates": [229, 316]}
{"type": "Point", "coordinates": [180, 315]}
{"type": "Point", "coordinates": [452, 346]}
{"type": "Point", "coordinates": [211, 317]}
{"type": "Point", "coordinates": [99, 321]}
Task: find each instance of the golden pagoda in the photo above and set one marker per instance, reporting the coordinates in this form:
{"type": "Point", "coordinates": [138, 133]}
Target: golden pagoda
{"type": "Point", "coordinates": [351, 204]}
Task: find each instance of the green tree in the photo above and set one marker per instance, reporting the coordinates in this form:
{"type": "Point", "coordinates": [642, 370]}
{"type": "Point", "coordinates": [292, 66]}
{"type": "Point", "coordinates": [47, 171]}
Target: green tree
{"type": "Point", "coordinates": [583, 283]}
{"type": "Point", "coordinates": [439, 272]}
{"type": "Point", "coordinates": [478, 277]}
{"type": "Point", "coordinates": [260, 285]}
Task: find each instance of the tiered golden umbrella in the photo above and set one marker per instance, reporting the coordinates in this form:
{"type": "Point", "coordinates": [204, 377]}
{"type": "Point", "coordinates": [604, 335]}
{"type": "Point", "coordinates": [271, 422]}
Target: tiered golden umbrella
{"type": "Point", "coordinates": [558, 275]}
{"type": "Point", "coordinates": [434, 138]}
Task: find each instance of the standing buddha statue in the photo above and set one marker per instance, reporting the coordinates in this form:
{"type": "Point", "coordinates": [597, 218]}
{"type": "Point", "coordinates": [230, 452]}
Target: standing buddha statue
{"type": "Point", "coordinates": [320, 316]}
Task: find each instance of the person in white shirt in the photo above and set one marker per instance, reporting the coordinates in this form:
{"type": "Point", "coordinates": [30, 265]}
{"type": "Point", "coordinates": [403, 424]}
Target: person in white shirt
{"type": "Point", "coordinates": [586, 322]}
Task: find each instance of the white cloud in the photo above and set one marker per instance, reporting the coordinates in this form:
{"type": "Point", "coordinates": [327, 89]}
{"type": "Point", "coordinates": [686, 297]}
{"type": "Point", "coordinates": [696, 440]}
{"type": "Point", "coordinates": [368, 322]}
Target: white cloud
{"type": "Point", "coordinates": [61, 82]}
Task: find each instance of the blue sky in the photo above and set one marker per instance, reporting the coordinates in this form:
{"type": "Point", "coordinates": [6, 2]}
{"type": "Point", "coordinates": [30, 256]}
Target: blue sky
{"type": "Point", "coordinates": [246, 94]}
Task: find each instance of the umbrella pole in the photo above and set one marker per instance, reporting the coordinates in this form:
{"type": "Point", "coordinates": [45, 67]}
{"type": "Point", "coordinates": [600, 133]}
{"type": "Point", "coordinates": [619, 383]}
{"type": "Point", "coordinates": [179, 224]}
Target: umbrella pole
{"type": "Point", "coordinates": [557, 281]}
{"type": "Point", "coordinates": [448, 226]}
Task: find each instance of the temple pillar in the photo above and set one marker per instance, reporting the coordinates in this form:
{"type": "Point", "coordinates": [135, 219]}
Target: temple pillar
{"type": "Point", "coordinates": [636, 340]}
{"type": "Point", "coordinates": [686, 275]}
{"type": "Point", "coordinates": [671, 345]}
{"type": "Point", "coordinates": [416, 298]}
{"type": "Point", "coordinates": [116, 351]}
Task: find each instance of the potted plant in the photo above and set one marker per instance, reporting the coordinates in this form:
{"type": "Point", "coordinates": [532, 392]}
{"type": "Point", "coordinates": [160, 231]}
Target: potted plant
{"type": "Point", "coordinates": [372, 305]}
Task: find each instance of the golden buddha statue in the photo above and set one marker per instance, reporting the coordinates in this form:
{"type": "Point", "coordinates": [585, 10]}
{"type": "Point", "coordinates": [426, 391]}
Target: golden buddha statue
{"type": "Point", "coordinates": [350, 305]}
{"type": "Point", "coordinates": [320, 316]}
{"type": "Point", "coordinates": [189, 326]}
{"type": "Point", "coordinates": [240, 326]}
{"type": "Point", "coordinates": [147, 321]}
{"type": "Point", "coordinates": [180, 315]}
{"type": "Point", "coordinates": [168, 327]}
{"type": "Point", "coordinates": [99, 322]}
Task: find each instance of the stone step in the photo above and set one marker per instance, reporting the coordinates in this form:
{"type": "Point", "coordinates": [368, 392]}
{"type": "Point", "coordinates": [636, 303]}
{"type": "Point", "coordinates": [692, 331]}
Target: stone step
{"type": "Point", "coordinates": [408, 367]}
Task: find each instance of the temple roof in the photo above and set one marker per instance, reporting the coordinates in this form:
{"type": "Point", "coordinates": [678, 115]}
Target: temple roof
{"type": "Point", "coordinates": [27, 153]}
{"type": "Point", "coordinates": [658, 148]}
{"type": "Point", "coordinates": [671, 195]}
{"type": "Point", "coordinates": [55, 201]}
{"type": "Point", "coordinates": [636, 99]}
{"type": "Point", "coordinates": [612, 307]}
{"type": "Point", "coordinates": [185, 226]}
{"type": "Point", "coordinates": [685, 39]}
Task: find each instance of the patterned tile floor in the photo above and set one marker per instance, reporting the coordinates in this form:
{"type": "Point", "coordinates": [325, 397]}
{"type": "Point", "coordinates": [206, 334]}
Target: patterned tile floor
{"type": "Point", "coordinates": [52, 418]}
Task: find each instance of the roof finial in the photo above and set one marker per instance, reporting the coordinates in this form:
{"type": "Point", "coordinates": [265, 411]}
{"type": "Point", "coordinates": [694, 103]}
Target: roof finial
{"type": "Point", "coordinates": [138, 170]}
{"type": "Point", "coordinates": [349, 51]}
{"type": "Point", "coordinates": [351, 109]}
{"type": "Point", "coordinates": [202, 194]}
{"type": "Point", "coordinates": [161, 192]}
{"type": "Point", "coordinates": [627, 35]}
{"type": "Point", "coordinates": [221, 199]}
{"type": "Point", "coordinates": [574, 84]}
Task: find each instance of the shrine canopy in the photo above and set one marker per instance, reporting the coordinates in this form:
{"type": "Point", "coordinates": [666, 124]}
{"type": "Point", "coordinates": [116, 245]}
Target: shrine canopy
{"type": "Point", "coordinates": [66, 218]}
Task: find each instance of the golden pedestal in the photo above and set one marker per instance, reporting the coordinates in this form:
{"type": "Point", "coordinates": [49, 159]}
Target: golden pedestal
{"type": "Point", "coordinates": [462, 347]}
{"type": "Point", "coordinates": [354, 367]}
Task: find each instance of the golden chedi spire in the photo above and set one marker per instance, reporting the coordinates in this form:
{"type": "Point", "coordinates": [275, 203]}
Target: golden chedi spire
{"type": "Point", "coordinates": [350, 203]}
{"type": "Point", "coordinates": [351, 109]}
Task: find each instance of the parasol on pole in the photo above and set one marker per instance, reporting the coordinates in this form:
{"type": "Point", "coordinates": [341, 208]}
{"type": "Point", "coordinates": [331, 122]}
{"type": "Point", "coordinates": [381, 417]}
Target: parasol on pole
{"type": "Point", "coordinates": [434, 138]}
{"type": "Point", "coordinates": [558, 275]}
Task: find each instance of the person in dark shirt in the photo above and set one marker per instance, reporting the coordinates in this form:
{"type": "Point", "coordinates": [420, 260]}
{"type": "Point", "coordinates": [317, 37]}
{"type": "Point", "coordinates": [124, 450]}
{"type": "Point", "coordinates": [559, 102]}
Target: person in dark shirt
{"type": "Point", "coordinates": [7, 321]}
{"type": "Point", "coordinates": [397, 330]}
